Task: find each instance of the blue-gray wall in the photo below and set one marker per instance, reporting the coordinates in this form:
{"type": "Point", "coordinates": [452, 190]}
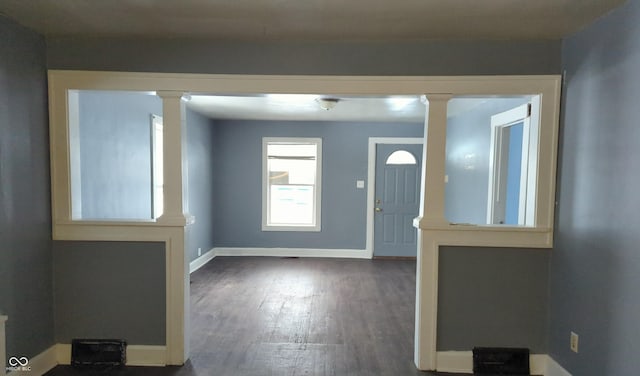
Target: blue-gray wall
{"type": "Point", "coordinates": [238, 219]}
{"type": "Point", "coordinates": [469, 133]}
{"type": "Point", "coordinates": [202, 191]}
{"type": "Point", "coordinates": [595, 266]}
{"type": "Point", "coordinates": [25, 218]}
{"type": "Point", "coordinates": [388, 58]}
{"type": "Point", "coordinates": [340, 58]}
{"type": "Point", "coordinates": [115, 153]}
{"type": "Point", "coordinates": [110, 290]}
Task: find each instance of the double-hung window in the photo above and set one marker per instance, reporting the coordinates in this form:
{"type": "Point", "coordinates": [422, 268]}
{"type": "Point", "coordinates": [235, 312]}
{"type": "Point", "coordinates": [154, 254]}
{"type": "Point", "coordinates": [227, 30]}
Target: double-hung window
{"type": "Point", "coordinates": [291, 181]}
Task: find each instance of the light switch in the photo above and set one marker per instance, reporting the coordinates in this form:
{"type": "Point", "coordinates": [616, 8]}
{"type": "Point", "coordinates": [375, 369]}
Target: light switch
{"type": "Point", "coordinates": [360, 184]}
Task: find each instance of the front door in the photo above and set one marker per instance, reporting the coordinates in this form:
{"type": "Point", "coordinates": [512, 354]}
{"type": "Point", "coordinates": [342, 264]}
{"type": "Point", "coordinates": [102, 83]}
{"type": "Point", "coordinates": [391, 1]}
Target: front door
{"type": "Point", "coordinates": [397, 199]}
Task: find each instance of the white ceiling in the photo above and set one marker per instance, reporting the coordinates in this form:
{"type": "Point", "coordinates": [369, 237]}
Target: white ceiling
{"type": "Point", "coordinates": [307, 20]}
{"type": "Point", "coordinates": [305, 107]}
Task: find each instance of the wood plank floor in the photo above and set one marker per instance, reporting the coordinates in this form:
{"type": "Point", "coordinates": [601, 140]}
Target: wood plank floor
{"type": "Point", "coordinates": [290, 316]}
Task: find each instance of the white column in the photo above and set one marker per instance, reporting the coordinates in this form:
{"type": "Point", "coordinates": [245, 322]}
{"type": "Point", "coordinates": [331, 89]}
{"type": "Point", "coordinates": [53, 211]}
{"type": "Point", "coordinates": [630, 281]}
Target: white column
{"type": "Point", "coordinates": [431, 215]}
{"type": "Point", "coordinates": [435, 146]}
{"type": "Point", "coordinates": [175, 172]}
{"type": "Point", "coordinates": [176, 218]}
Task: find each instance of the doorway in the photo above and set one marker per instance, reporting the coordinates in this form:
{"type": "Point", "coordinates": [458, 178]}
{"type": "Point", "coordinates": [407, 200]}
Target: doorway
{"type": "Point", "coordinates": [509, 175]}
{"type": "Point", "coordinates": [395, 166]}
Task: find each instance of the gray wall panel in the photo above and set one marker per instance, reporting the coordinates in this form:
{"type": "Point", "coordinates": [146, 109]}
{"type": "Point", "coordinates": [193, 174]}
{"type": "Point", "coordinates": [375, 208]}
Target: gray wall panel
{"type": "Point", "coordinates": [494, 297]}
{"type": "Point", "coordinates": [342, 58]}
{"type": "Point", "coordinates": [110, 290]}
{"type": "Point", "coordinates": [595, 266]}
{"type": "Point", "coordinates": [25, 211]}
{"type": "Point", "coordinates": [344, 160]}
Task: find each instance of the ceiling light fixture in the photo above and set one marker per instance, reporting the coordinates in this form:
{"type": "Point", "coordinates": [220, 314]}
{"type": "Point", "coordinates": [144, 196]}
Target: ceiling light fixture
{"type": "Point", "coordinates": [327, 103]}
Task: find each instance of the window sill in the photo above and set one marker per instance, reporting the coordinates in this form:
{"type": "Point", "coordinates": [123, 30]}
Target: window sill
{"type": "Point", "coordinates": [487, 235]}
{"type": "Point", "coordinates": [291, 228]}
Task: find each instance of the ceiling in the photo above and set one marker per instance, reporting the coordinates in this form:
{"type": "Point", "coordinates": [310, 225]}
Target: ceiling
{"type": "Point", "coordinates": [307, 107]}
{"type": "Point", "coordinates": [309, 20]}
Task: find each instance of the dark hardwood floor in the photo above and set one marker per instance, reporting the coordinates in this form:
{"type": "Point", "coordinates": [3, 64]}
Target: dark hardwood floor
{"type": "Point", "coordinates": [290, 316]}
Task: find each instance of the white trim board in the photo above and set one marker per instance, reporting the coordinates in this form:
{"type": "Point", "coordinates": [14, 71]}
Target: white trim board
{"type": "Point", "coordinates": [371, 180]}
{"type": "Point", "coordinates": [462, 362]}
{"type": "Point", "coordinates": [555, 369]}
{"type": "Point", "coordinates": [293, 252]}
{"type": "Point", "coordinates": [276, 252]}
{"type": "Point", "coordinates": [202, 260]}
{"type": "Point", "coordinates": [41, 363]}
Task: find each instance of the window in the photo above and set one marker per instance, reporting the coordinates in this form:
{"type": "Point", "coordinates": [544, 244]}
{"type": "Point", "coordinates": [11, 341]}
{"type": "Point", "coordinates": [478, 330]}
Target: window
{"type": "Point", "coordinates": [491, 161]}
{"type": "Point", "coordinates": [112, 156]}
{"type": "Point", "coordinates": [291, 184]}
{"type": "Point", "coordinates": [401, 157]}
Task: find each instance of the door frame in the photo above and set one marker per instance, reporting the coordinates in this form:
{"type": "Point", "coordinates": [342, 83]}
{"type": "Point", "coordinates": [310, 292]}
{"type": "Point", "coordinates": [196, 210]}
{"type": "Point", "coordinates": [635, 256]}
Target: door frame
{"type": "Point", "coordinates": [371, 179]}
{"type": "Point", "coordinates": [526, 114]}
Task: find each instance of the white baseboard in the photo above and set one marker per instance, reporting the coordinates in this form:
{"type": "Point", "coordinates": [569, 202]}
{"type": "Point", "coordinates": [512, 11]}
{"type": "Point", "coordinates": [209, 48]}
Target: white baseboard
{"type": "Point", "coordinates": [555, 369]}
{"type": "Point", "coordinates": [293, 252]}
{"type": "Point", "coordinates": [142, 355]}
{"type": "Point", "coordinates": [538, 364]}
{"type": "Point", "coordinates": [137, 355]}
{"type": "Point", "coordinates": [276, 252]}
{"type": "Point", "coordinates": [462, 362]}
{"type": "Point", "coordinates": [39, 364]}
{"type": "Point", "coordinates": [63, 353]}
{"type": "Point", "coordinates": [202, 260]}
{"type": "Point", "coordinates": [454, 361]}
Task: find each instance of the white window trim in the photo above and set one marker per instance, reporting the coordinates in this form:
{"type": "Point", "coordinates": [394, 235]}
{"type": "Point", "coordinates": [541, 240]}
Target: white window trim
{"type": "Point", "coordinates": [317, 225]}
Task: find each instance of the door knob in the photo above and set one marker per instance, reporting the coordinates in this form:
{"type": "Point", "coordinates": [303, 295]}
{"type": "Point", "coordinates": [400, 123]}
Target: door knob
{"type": "Point", "coordinates": [378, 209]}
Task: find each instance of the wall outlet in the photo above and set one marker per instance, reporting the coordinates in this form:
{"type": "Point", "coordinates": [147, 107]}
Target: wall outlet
{"type": "Point", "coordinates": [199, 252]}
{"type": "Point", "coordinates": [573, 342]}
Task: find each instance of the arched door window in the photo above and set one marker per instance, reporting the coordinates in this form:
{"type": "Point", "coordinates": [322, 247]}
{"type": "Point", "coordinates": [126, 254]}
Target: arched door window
{"type": "Point", "coordinates": [401, 157]}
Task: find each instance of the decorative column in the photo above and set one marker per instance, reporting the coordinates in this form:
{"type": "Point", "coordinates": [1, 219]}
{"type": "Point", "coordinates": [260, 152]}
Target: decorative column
{"type": "Point", "coordinates": [431, 216]}
{"type": "Point", "coordinates": [435, 146]}
{"type": "Point", "coordinates": [175, 172]}
{"type": "Point", "coordinates": [175, 218]}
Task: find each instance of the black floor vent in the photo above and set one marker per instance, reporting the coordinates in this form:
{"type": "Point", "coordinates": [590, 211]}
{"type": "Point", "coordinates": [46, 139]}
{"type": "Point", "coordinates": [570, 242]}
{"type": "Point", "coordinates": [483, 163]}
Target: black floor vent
{"type": "Point", "coordinates": [500, 361]}
{"type": "Point", "coordinates": [98, 352]}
